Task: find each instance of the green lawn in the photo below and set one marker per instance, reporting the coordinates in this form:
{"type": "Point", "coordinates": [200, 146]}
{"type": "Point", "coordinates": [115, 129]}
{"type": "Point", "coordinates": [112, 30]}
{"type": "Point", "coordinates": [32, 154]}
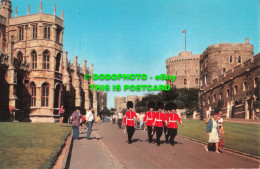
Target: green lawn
{"type": "Point", "coordinates": [241, 137]}
{"type": "Point", "coordinates": [30, 145]}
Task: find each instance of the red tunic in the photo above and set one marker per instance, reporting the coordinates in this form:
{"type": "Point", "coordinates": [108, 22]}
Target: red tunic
{"type": "Point", "coordinates": [129, 118]}
{"type": "Point", "coordinates": [166, 115]}
{"type": "Point", "coordinates": [149, 118]}
{"type": "Point", "coordinates": [173, 117]}
{"type": "Point", "coordinates": [159, 118]}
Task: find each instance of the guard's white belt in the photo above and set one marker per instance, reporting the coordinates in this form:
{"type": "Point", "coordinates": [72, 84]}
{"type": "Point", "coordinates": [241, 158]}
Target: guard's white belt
{"type": "Point", "coordinates": [172, 121]}
{"type": "Point", "coordinates": [130, 119]}
{"type": "Point", "coordinates": [158, 120]}
{"type": "Point", "coordinates": [149, 119]}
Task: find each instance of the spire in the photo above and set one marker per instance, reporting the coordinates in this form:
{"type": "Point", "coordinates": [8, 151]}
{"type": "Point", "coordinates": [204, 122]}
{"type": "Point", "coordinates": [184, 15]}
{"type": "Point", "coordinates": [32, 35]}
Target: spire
{"type": "Point", "coordinates": [41, 7]}
{"type": "Point", "coordinates": [85, 66]}
{"type": "Point", "coordinates": [54, 11]}
{"type": "Point", "coordinates": [28, 9]}
{"type": "Point", "coordinates": [76, 65]}
{"type": "Point", "coordinates": [16, 12]}
{"type": "Point", "coordinates": [62, 15]}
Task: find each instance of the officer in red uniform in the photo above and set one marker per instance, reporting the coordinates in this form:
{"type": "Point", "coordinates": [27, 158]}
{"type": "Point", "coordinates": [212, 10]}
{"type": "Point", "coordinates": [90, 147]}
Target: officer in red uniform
{"type": "Point", "coordinates": [129, 121]}
{"type": "Point", "coordinates": [165, 127]}
{"type": "Point", "coordinates": [172, 122]}
{"type": "Point", "coordinates": [158, 122]}
{"type": "Point", "coordinates": [149, 120]}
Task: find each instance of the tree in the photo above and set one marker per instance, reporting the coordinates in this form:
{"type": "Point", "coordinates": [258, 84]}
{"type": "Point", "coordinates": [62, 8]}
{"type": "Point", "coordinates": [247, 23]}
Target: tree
{"type": "Point", "coordinates": [105, 111]}
{"type": "Point", "coordinates": [140, 106]}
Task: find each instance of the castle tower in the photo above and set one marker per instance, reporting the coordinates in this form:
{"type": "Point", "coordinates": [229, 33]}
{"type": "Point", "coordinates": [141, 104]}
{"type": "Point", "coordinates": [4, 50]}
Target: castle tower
{"type": "Point", "coordinates": [6, 9]}
{"type": "Point", "coordinates": [186, 68]}
{"type": "Point", "coordinates": [221, 58]}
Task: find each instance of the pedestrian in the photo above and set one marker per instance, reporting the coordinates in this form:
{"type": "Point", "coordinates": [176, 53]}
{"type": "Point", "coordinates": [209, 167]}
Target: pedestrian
{"type": "Point", "coordinates": [149, 120]}
{"type": "Point", "coordinates": [82, 123]}
{"type": "Point", "coordinates": [114, 118]}
{"type": "Point", "coordinates": [129, 121]}
{"type": "Point", "coordinates": [221, 130]}
{"type": "Point", "coordinates": [61, 112]}
{"type": "Point", "coordinates": [172, 119]}
{"type": "Point", "coordinates": [213, 132]}
{"type": "Point", "coordinates": [141, 117]}
{"type": "Point", "coordinates": [89, 119]}
{"type": "Point", "coordinates": [120, 117]}
{"type": "Point", "coordinates": [75, 124]}
{"type": "Point", "coordinates": [158, 122]}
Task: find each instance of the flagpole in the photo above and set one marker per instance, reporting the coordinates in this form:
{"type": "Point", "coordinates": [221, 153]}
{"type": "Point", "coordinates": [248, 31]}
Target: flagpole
{"type": "Point", "coordinates": [185, 40]}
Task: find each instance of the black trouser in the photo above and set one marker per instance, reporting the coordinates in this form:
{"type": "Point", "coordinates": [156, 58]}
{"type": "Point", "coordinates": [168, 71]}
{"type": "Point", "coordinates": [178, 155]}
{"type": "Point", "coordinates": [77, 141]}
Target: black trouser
{"type": "Point", "coordinates": [166, 133]}
{"type": "Point", "coordinates": [172, 132]}
{"type": "Point", "coordinates": [130, 132]}
{"type": "Point", "coordinates": [159, 131]}
{"type": "Point", "coordinates": [119, 122]}
{"type": "Point", "coordinates": [149, 132]}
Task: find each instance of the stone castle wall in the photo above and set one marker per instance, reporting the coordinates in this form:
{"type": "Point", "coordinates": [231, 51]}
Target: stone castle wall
{"type": "Point", "coordinates": [186, 68]}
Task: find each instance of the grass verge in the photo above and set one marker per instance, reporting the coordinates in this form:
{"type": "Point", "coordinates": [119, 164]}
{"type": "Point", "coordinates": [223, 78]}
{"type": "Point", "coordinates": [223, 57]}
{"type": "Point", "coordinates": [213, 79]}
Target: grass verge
{"type": "Point", "coordinates": [238, 136]}
{"type": "Point", "coordinates": [31, 145]}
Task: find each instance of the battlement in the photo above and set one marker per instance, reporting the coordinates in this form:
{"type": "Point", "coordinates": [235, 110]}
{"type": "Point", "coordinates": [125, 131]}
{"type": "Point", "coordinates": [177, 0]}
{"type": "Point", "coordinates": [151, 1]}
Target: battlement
{"type": "Point", "coordinates": [37, 17]}
{"type": "Point", "coordinates": [224, 47]}
{"type": "Point", "coordinates": [40, 17]}
{"type": "Point", "coordinates": [235, 72]}
{"type": "Point", "coordinates": [182, 56]}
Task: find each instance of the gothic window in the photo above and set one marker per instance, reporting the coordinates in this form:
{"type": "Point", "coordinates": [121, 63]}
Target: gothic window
{"type": "Point", "coordinates": [230, 59]}
{"type": "Point", "coordinates": [227, 92]}
{"type": "Point", "coordinates": [235, 89]}
{"type": "Point", "coordinates": [214, 98]}
{"type": "Point", "coordinates": [196, 81]}
{"type": "Point", "coordinates": [47, 32]}
{"type": "Point", "coordinates": [208, 100]}
{"type": "Point", "coordinates": [46, 60]}
{"type": "Point", "coordinates": [220, 95]}
{"type": "Point", "coordinates": [34, 59]}
{"type": "Point", "coordinates": [20, 56]}
{"type": "Point", "coordinates": [58, 34]}
{"type": "Point", "coordinates": [239, 59]}
{"type": "Point", "coordinates": [45, 95]}
{"type": "Point", "coordinates": [244, 86]}
{"type": "Point", "coordinates": [20, 33]}
{"type": "Point", "coordinates": [35, 31]}
{"type": "Point", "coordinates": [255, 82]}
{"type": "Point", "coordinates": [33, 94]}
{"type": "Point", "coordinates": [58, 62]}
{"type": "Point", "coordinates": [185, 81]}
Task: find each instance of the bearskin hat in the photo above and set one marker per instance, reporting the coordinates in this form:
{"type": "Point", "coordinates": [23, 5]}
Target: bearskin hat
{"type": "Point", "coordinates": [160, 105]}
{"type": "Point", "coordinates": [168, 106]}
{"type": "Point", "coordinates": [151, 104]}
{"type": "Point", "coordinates": [129, 104]}
{"type": "Point", "coordinates": [174, 106]}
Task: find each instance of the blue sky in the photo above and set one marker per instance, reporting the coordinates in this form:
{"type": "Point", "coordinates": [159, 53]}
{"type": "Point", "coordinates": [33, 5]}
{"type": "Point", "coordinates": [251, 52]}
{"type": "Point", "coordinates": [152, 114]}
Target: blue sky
{"type": "Point", "coordinates": [137, 36]}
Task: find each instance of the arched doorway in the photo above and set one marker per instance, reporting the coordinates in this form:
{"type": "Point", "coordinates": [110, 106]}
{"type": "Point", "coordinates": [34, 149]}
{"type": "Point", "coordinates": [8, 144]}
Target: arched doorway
{"type": "Point", "coordinates": [57, 96]}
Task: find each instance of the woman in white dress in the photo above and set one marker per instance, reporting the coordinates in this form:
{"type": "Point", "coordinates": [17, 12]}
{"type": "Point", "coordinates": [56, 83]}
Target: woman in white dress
{"type": "Point", "coordinates": [213, 131]}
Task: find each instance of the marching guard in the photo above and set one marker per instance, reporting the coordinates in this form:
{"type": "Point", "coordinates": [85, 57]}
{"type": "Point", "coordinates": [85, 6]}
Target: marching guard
{"type": "Point", "coordinates": [129, 121]}
{"type": "Point", "coordinates": [172, 121]}
{"type": "Point", "coordinates": [149, 120]}
{"type": "Point", "coordinates": [158, 122]}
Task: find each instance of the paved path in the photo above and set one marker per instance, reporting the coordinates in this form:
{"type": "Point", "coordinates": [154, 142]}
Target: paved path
{"type": "Point", "coordinates": [112, 151]}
